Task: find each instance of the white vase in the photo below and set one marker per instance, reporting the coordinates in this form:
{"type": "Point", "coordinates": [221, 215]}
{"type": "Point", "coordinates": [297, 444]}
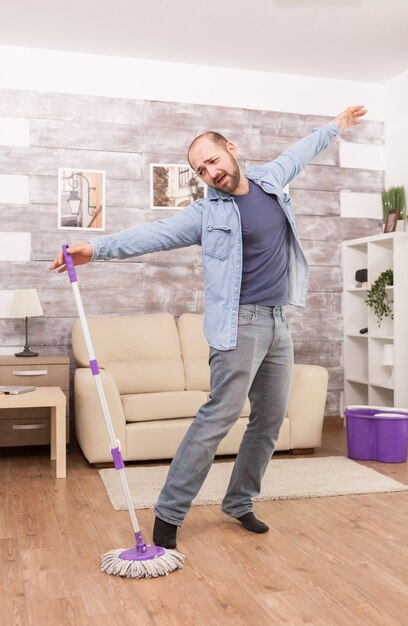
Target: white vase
{"type": "Point", "coordinates": [401, 225]}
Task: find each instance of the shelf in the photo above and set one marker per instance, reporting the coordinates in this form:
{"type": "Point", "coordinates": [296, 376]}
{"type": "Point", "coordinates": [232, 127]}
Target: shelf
{"type": "Point", "coordinates": [380, 396]}
{"type": "Point", "coordinates": [364, 290]}
{"type": "Point", "coordinates": [366, 378]}
{"type": "Point", "coordinates": [359, 381]}
{"type": "Point", "coordinates": [356, 379]}
{"type": "Point", "coordinates": [356, 392]}
{"type": "Point", "coordinates": [382, 238]}
{"type": "Point", "coordinates": [355, 312]}
{"type": "Point", "coordinates": [370, 336]}
{"type": "Point", "coordinates": [382, 385]}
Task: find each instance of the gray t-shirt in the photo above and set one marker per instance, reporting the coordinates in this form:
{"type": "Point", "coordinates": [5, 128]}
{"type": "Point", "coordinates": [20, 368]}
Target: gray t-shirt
{"type": "Point", "coordinates": [265, 250]}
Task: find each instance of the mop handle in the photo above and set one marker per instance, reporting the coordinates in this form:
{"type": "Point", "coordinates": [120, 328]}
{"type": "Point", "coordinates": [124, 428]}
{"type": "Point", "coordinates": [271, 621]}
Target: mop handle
{"type": "Point", "coordinates": [115, 450]}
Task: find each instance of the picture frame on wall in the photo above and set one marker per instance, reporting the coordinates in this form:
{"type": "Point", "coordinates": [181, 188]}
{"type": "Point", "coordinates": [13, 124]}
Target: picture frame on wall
{"type": "Point", "coordinates": [174, 186]}
{"type": "Point", "coordinates": [391, 221]}
{"type": "Point", "coordinates": [81, 199]}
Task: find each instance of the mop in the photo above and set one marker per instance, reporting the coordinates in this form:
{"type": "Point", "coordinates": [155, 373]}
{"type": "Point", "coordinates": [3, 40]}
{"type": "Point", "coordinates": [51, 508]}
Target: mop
{"type": "Point", "coordinates": [142, 561]}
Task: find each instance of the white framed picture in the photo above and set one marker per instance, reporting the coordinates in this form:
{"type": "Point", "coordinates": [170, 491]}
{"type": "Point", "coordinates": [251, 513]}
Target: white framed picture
{"type": "Point", "coordinates": [174, 186]}
{"type": "Point", "coordinates": [81, 199]}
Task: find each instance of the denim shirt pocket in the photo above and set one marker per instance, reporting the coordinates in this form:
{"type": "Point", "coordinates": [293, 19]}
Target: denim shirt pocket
{"type": "Point", "coordinates": [218, 241]}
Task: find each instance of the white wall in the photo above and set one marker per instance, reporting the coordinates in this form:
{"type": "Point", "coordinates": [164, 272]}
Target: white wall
{"type": "Point", "coordinates": [63, 72]}
{"type": "Point", "coordinates": [396, 131]}
{"type": "Point", "coordinates": [66, 72]}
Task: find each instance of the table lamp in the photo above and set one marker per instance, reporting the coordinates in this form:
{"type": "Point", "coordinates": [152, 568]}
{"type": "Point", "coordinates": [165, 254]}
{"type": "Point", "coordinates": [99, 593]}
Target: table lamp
{"type": "Point", "coordinates": [26, 303]}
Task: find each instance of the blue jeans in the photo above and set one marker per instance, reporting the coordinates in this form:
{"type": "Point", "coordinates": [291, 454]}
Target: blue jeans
{"type": "Point", "coordinates": [260, 367]}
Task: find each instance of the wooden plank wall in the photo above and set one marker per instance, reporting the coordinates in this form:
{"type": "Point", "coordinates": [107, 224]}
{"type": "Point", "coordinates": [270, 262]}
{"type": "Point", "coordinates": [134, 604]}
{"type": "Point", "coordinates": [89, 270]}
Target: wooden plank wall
{"type": "Point", "coordinates": [123, 137]}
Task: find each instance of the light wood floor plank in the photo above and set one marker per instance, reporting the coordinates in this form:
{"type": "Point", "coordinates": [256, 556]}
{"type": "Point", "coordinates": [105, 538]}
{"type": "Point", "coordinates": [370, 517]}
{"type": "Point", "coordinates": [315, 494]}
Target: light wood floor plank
{"type": "Point", "coordinates": [324, 562]}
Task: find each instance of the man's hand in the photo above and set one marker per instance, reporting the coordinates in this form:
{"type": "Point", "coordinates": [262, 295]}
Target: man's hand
{"type": "Point", "coordinates": [350, 117]}
{"type": "Point", "coordinates": [81, 253]}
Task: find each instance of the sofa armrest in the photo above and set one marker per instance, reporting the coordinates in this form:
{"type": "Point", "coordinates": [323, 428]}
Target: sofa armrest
{"type": "Point", "coordinates": [90, 425]}
{"type": "Point", "coordinates": [307, 401]}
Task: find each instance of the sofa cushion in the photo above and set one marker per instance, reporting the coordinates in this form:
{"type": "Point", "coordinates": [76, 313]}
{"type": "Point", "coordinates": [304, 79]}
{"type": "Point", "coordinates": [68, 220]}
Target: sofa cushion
{"type": "Point", "coordinates": [194, 350]}
{"type": "Point", "coordinates": [143, 407]}
{"type": "Point", "coordinates": [160, 439]}
{"type": "Point", "coordinates": [147, 376]}
{"type": "Point", "coordinates": [142, 352]}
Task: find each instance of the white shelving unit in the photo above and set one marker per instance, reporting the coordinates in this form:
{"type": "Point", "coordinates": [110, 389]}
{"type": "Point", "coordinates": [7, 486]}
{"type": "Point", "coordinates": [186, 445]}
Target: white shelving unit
{"type": "Point", "coordinates": [366, 380]}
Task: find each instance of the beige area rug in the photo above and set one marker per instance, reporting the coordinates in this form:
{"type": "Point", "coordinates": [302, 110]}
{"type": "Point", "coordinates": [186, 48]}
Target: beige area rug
{"type": "Point", "coordinates": [285, 479]}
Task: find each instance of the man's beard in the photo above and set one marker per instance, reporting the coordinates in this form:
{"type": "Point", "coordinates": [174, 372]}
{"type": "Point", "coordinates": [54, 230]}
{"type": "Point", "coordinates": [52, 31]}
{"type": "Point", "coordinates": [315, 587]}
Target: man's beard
{"type": "Point", "coordinates": [228, 181]}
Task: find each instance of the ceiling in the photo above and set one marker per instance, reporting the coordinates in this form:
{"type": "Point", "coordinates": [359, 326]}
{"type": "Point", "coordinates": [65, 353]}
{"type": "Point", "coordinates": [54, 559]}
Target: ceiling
{"type": "Point", "coordinates": [363, 40]}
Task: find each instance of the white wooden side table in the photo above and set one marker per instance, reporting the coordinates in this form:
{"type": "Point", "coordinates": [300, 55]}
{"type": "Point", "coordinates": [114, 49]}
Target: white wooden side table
{"type": "Point", "coordinates": [54, 398]}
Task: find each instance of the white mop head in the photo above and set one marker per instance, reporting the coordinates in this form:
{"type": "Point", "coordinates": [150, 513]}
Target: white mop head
{"type": "Point", "coordinates": [111, 563]}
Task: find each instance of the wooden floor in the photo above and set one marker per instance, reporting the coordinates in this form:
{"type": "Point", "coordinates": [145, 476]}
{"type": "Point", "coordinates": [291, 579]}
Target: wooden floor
{"type": "Point", "coordinates": [338, 560]}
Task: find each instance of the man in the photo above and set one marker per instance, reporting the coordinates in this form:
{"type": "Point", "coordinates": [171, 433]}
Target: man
{"type": "Point", "coordinates": [253, 266]}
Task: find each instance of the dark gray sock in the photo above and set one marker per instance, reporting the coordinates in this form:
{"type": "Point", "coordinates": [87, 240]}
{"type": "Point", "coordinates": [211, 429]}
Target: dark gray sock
{"type": "Point", "coordinates": [164, 534]}
{"type": "Point", "coordinates": [251, 523]}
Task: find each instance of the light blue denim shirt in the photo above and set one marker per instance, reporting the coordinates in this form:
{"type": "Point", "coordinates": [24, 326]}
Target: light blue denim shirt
{"type": "Point", "coordinates": [214, 223]}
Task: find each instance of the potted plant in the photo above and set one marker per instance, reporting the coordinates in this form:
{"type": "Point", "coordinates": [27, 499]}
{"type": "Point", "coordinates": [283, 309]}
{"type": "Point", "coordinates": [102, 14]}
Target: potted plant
{"type": "Point", "coordinates": [377, 297]}
{"type": "Point", "coordinates": [393, 199]}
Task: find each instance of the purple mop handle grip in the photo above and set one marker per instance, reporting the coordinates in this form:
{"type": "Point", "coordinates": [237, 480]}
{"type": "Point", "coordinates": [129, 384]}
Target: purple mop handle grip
{"type": "Point", "coordinates": [70, 264]}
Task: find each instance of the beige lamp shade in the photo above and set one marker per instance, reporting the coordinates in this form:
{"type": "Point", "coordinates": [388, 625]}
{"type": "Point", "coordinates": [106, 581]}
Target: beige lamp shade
{"type": "Point", "coordinates": [26, 303]}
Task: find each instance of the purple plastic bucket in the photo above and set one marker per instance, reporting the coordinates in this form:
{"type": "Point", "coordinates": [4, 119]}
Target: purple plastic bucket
{"type": "Point", "coordinates": [377, 434]}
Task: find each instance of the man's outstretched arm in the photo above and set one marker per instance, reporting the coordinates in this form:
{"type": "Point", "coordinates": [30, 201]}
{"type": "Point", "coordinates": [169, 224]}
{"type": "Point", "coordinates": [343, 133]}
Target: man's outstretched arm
{"type": "Point", "coordinates": [293, 160]}
{"type": "Point", "coordinates": [181, 230]}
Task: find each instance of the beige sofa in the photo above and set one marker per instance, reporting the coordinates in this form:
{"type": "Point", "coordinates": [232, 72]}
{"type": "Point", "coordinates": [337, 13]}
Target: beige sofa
{"type": "Point", "coordinates": [155, 375]}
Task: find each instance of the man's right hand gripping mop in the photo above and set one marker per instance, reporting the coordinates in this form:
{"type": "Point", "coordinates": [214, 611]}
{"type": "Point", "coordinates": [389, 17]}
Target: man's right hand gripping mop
{"type": "Point", "coordinates": [142, 561]}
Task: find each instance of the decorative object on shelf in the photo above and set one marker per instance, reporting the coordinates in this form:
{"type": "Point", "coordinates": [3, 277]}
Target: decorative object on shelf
{"type": "Point", "coordinates": [388, 359]}
{"type": "Point", "coordinates": [26, 303]}
{"type": "Point", "coordinates": [363, 331]}
{"type": "Point", "coordinates": [378, 298]}
{"type": "Point", "coordinates": [391, 221]}
{"type": "Point", "coordinates": [361, 278]}
{"type": "Point", "coordinates": [394, 209]}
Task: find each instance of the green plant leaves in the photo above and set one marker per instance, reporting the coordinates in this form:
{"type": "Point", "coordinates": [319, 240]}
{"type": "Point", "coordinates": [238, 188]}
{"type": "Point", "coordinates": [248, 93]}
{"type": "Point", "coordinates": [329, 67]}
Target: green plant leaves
{"type": "Point", "coordinates": [393, 199]}
{"type": "Point", "coordinates": [378, 298]}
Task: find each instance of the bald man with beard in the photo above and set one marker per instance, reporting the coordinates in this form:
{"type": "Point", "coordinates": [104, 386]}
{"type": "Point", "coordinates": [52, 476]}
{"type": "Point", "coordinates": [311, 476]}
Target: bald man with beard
{"type": "Point", "coordinates": [254, 266]}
